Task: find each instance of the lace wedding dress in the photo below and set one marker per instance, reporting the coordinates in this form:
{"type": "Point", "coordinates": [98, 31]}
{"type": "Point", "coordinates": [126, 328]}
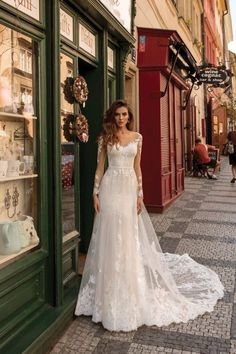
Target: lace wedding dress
{"type": "Point", "coordinates": [127, 280]}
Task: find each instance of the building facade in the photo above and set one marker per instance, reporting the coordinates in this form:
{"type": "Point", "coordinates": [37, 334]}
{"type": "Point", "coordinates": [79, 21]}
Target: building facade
{"type": "Point", "coordinates": [46, 174]}
{"type": "Point", "coordinates": [169, 135]}
{"type": "Point", "coordinates": [218, 32]}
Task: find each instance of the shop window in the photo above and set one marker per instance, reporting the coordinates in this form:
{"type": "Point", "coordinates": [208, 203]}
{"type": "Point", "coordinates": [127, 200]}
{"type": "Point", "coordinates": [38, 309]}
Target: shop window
{"type": "Point", "coordinates": [26, 96]}
{"type": "Point", "coordinates": [111, 63]}
{"type": "Point", "coordinates": [215, 125]}
{"type": "Point", "coordinates": [111, 87]}
{"type": "Point", "coordinates": [25, 61]}
{"type": "Point", "coordinates": [188, 12]}
{"type": "Point", "coordinates": [18, 168]}
{"type": "Point", "coordinates": [221, 128]}
{"type": "Point", "coordinates": [67, 154]}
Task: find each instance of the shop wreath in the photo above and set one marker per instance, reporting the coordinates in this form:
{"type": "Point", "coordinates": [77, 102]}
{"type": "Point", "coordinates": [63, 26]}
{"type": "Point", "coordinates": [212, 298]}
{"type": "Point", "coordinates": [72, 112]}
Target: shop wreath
{"type": "Point", "coordinates": [68, 90]}
{"type": "Point", "coordinates": [80, 90]}
{"type": "Point", "coordinates": [75, 128]}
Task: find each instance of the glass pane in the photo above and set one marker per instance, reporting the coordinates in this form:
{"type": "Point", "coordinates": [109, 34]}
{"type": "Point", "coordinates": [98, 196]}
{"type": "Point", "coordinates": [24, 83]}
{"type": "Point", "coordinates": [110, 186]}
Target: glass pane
{"type": "Point", "coordinates": [67, 154]}
{"type": "Point", "coordinates": [215, 119]}
{"type": "Point", "coordinates": [221, 128]}
{"type": "Point", "coordinates": [111, 90]}
{"type": "Point", "coordinates": [18, 170]}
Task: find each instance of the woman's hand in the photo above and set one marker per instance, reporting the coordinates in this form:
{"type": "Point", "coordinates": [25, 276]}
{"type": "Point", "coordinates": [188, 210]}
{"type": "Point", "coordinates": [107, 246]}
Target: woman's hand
{"type": "Point", "coordinates": [96, 203]}
{"type": "Point", "coordinates": [139, 205]}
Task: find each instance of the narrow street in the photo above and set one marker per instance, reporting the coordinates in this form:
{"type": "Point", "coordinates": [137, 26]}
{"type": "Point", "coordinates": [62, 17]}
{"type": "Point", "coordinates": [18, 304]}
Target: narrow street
{"type": "Point", "coordinates": [202, 223]}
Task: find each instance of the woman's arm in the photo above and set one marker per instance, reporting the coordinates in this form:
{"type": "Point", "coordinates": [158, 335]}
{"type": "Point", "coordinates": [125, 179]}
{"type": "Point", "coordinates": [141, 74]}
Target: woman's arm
{"type": "Point", "coordinates": [101, 157]}
{"type": "Point", "coordinates": [138, 172]}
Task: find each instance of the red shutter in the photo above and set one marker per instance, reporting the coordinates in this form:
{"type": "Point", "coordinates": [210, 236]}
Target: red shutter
{"type": "Point", "coordinates": [165, 148]}
{"type": "Point", "coordinates": [179, 140]}
{"type": "Point", "coordinates": [172, 140]}
{"type": "Point", "coordinates": [165, 143]}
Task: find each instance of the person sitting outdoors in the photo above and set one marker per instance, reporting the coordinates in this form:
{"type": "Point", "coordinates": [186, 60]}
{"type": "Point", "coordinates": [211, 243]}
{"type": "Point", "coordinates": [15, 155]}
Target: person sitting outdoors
{"type": "Point", "coordinates": [232, 156]}
{"type": "Point", "coordinates": [200, 152]}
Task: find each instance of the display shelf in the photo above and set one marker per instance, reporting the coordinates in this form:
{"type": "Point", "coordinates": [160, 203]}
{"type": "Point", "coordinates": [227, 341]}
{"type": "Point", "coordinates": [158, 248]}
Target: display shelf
{"type": "Point", "coordinates": [8, 179]}
{"type": "Point", "coordinates": [70, 235]}
{"type": "Point", "coordinates": [6, 115]}
{"type": "Point", "coordinates": [6, 259]}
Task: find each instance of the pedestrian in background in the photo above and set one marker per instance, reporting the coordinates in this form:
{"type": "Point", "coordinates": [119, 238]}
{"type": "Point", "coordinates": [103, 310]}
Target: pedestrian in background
{"type": "Point", "coordinates": [232, 156]}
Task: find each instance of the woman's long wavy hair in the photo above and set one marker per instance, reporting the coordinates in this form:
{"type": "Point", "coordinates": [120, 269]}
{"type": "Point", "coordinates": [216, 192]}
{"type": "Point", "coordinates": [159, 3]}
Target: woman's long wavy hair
{"type": "Point", "coordinates": [110, 128]}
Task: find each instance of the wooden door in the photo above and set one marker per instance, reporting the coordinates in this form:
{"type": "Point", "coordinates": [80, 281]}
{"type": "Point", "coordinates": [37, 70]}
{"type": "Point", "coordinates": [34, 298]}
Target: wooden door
{"type": "Point", "coordinates": [178, 140]}
{"type": "Point", "coordinates": [219, 127]}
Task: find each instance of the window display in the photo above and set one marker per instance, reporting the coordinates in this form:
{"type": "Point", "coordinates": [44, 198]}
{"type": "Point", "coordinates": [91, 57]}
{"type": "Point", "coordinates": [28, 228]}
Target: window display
{"type": "Point", "coordinates": [67, 153]}
{"type": "Point", "coordinates": [18, 169]}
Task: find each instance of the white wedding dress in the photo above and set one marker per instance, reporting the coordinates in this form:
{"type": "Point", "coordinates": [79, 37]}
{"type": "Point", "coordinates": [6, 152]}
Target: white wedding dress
{"type": "Point", "coordinates": [127, 280]}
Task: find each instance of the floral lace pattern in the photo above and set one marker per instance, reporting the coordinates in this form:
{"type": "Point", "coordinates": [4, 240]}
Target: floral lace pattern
{"type": "Point", "coordinates": [127, 280]}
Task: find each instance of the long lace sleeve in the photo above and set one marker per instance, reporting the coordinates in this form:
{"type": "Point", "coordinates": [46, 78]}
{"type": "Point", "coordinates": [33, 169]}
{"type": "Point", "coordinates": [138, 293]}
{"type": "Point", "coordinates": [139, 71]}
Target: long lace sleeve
{"type": "Point", "coordinates": [101, 156]}
{"type": "Point", "coordinates": [137, 167]}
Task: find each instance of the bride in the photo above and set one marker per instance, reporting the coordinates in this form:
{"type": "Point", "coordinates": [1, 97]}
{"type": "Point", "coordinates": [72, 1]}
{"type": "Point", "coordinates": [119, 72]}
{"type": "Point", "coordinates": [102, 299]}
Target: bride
{"type": "Point", "coordinates": [127, 280]}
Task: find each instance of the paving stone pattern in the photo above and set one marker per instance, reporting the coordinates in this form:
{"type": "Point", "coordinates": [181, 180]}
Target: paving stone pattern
{"type": "Point", "coordinates": [202, 223]}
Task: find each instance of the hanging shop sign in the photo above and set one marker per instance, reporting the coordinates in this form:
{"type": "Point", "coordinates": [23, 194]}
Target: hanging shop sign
{"type": "Point", "coordinates": [121, 10]}
{"type": "Point", "coordinates": [87, 40]}
{"type": "Point", "coordinates": [212, 75]}
{"type": "Point", "coordinates": [28, 7]}
{"type": "Point", "coordinates": [66, 25]}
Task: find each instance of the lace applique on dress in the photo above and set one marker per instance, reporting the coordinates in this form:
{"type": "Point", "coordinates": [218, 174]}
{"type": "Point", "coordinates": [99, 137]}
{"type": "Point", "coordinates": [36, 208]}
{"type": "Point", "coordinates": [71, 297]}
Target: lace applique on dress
{"type": "Point", "coordinates": [127, 280]}
{"type": "Point", "coordinates": [99, 171]}
{"type": "Point", "coordinates": [139, 177]}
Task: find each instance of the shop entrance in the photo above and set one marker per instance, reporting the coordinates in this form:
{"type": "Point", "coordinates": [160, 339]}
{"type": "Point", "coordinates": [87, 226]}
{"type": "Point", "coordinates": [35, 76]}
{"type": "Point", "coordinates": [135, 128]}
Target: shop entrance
{"type": "Point", "coordinates": [219, 127]}
{"type": "Point", "coordinates": [93, 111]}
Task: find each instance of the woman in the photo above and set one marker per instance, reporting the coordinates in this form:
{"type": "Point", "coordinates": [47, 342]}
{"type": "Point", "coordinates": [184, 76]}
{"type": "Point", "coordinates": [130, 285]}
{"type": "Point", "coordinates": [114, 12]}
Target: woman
{"type": "Point", "coordinates": [232, 156]}
{"type": "Point", "coordinates": [127, 280]}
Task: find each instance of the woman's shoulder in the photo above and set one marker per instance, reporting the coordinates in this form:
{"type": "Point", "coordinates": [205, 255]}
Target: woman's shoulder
{"type": "Point", "coordinates": [137, 136]}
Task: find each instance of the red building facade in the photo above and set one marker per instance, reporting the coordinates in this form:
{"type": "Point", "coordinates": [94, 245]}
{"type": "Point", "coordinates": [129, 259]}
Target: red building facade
{"type": "Point", "coordinates": [210, 32]}
{"type": "Point", "coordinates": [216, 117]}
{"type": "Point", "coordinates": [161, 54]}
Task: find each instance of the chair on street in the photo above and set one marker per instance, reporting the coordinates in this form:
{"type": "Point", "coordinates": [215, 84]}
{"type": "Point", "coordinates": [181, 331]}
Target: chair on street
{"type": "Point", "coordinates": [198, 170]}
{"type": "Point", "coordinates": [202, 170]}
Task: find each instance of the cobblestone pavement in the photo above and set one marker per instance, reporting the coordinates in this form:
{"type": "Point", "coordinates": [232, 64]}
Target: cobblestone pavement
{"type": "Point", "coordinates": [202, 223]}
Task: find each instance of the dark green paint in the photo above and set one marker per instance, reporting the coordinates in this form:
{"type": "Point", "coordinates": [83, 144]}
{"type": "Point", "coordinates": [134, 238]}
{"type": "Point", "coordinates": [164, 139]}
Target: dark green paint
{"type": "Point", "coordinates": [38, 291]}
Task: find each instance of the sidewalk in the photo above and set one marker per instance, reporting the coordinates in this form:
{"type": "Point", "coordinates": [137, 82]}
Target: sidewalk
{"type": "Point", "coordinates": [202, 223]}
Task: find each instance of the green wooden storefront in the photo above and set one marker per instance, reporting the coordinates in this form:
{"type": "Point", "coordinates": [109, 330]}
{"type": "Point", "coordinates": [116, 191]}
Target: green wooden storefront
{"type": "Point", "coordinates": [39, 285]}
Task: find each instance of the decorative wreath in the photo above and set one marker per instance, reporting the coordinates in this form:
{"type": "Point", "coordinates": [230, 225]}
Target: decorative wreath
{"type": "Point", "coordinates": [76, 128]}
{"type": "Point", "coordinates": [80, 90]}
{"type": "Point", "coordinates": [68, 90]}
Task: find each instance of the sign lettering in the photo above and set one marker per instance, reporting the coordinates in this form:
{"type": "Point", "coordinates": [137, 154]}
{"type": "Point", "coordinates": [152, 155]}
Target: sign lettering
{"type": "Point", "coordinates": [212, 75]}
{"type": "Point", "coordinates": [66, 25]}
{"type": "Point", "coordinates": [87, 40]}
{"type": "Point", "coordinates": [110, 58]}
{"type": "Point", "coordinates": [29, 7]}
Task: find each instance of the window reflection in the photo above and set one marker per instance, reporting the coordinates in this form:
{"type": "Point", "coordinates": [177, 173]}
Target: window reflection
{"type": "Point", "coordinates": [67, 155]}
{"type": "Point", "coordinates": [18, 169]}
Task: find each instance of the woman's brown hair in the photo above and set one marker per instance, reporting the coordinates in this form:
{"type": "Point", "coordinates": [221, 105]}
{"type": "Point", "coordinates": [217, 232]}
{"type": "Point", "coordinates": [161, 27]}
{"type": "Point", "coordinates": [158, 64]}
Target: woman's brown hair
{"type": "Point", "coordinates": [110, 129]}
